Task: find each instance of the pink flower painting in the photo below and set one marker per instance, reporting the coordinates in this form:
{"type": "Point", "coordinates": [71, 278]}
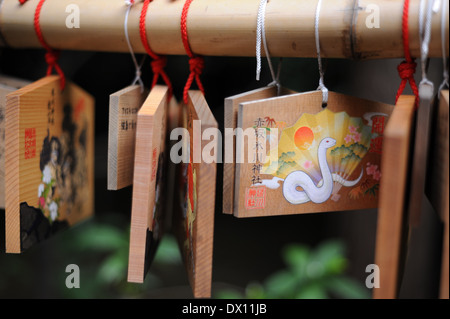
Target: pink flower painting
{"type": "Point", "coordinates": [353, 129]}
{"type": "Point", "coordinates": [353, 135]}
{"type": "Point", "coordinates": [42, 201]}
{"type": "Point", "coordinates": [348, 139]}
{"type": "Point", "coordinates": [377, 175]}
{"type": "Point", "coordinates": [371, 169]}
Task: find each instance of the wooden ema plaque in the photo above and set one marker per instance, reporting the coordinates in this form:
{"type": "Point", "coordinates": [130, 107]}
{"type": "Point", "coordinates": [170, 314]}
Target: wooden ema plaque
{"type": "Point", "coordinates": [193, 220]}
{"type": "Point", "coordinates": [147, 215]}
{"type": "Point", "coordinates": [420, 152]}
{"type": "Point", "coordinates": [230, 116]}
{"type": "Point", "coordinates": [392, 229]}
{"type": "Point", "coordinates": [49, 146]}
{"type": "Point", "coordinates": [438, 179]}
{"type": "Point", "coordinates": [7, 85]}
{"type": "Point", "coordinates": [123, 109]}
{"type": "Point", "coordinates": [297, 157]}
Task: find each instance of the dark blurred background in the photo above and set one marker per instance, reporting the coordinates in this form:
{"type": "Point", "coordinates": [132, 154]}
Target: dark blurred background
{"type": "Point", "coordinates": [245, 250]}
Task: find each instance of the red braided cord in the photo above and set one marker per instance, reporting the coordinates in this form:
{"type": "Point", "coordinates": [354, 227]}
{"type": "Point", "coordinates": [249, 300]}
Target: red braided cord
{"type": "Point", "coordinates": [184, 35]}
{"type": "Point", "coordinates": [51, 56]}
{"type": "Point", "coordinates": [159, 62]}
{"type": "Point", "coordinates": [407, 68]}
{"type": "Point", "coordinates": [196, 63]}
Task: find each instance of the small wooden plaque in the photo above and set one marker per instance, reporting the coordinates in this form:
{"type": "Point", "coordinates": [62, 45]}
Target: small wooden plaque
{"type": "Point", "coordinates": [438, 174]}
{"type": "Point", "coordinates": [193, 220]}
{"type": "Point", "coordinates": [147, 216]}
{"type": "Point", "coordinates": [49, 161]}
{"type": "Point", "coordinates": [420, 153]}
{"type": "Point", "coordinates": [437, 189]}
{"type": "Point", "coordinates": [273, 183]}
{"type": "Point", "coordinates": [7, 85]}
{"type": "Point", "coordinates": [392, 216]}
{"type": "Point", "coordinates": [123, 109]}
{"type": "Point", "coordinates": [230, 116]}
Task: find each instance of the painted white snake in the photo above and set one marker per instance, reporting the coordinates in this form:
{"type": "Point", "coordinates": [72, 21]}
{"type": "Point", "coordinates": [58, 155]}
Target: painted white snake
{"type": "Point", "coordinates": [316, 193]}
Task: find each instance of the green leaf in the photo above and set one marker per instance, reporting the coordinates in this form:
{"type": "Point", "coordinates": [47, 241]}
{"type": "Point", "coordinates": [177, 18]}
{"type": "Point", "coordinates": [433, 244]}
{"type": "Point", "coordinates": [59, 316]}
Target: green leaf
{"type": "Point", "coordinates": [228, 294]}
{"type": "Point", "coordinates": [336, 265]}
{"type": "Point", "coordinates": [373, 190]}
{"type": "Point", "coordinates": [45, 193]}
{"type": "Point", "coordinates": [328, 258]}
{"type": "Point", "coordinates": [281, 285]}
{"type": "Point", "coordinates": [113, 270]}
{"type": "Point", "coordinates": [168, 251]}
{"type": "Point", "coordinates": [101, 238]}
{"type": "Point", "coordinates": [315, 270]}
{"type": "Point", "coordinates": [255, 291]}
{"type": "Point", "coordinates": [312, 291]}
{"type": "Point", "coordinates": [296, 256]}
{"type": "Point", "coordinates": [329, 250]}
{"type": "Point", "coordinates": [347, 288]}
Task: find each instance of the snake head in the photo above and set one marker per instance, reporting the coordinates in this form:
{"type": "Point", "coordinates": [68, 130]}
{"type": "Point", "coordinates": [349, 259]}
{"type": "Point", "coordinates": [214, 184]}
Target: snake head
{"type": "Point", "coordinates": [327, 142]}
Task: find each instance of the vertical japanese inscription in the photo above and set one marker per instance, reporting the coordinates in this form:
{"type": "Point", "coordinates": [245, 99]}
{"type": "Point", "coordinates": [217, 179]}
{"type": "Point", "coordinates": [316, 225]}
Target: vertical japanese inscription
{"type": "Point", "coordinates": [376, 144]}
{"type": "Point", "coordinates": [30, 143]}
{"type": "Point", "coordinates": [128, 118]}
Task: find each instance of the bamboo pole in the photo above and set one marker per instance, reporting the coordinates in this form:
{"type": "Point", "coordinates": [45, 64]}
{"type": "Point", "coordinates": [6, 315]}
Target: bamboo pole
{"type": "Point", "coordinates": [224, 27]}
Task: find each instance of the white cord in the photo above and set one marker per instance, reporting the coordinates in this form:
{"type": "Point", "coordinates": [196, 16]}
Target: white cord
{"type": "Point", "coordinates": [444, 58]}
{"type": "Point", "coordinates": [137, 78]}
{"type": "Point", "coordinates": [425, 17]}
{"type": "Point", "coordinates": [261, 35]}
{"type": "Point", "coordinates": [322, 86]}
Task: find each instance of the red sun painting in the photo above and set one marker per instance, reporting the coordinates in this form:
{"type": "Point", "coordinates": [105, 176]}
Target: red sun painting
{"type": "Point", "coordinates": [303, 138]}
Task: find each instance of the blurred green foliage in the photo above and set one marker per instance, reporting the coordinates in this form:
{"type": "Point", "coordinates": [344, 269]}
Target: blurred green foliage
{"type": "Point", "coordinates": [100, 248]}
{"type": "Point", "coordinates": [310, 274]}
{"type": "Point", "coordinates": [109, 277]}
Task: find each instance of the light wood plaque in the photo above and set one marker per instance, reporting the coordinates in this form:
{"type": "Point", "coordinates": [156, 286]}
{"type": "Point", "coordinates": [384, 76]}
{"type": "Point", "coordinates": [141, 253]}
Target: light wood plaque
{"type": "Point", "coordinates": [271, 183]}
{"type": "Point", "coordinates": [49, 161]}
{"type": "Point", "coordinates": [123, 110]}
{"type": "Point", "coordinates": [420, 152]}
{"type": "Point", "coordinates": [230, 115]}
{"type": "Point", "coordinates": [193, 220]}
{"type": "Point", "coordinates": [393, 229]}
{"type": "Point", "coordinates": [147, 215]}
{"type": "Point", "coordinates": [437, 189]}
{"type": "Point", "coordinates": [7, 85]}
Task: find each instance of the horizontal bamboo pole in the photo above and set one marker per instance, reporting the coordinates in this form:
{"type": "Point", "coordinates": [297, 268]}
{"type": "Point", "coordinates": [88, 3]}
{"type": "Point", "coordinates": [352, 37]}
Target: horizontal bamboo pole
{"type": "Point", "coordinates": [224, 27]}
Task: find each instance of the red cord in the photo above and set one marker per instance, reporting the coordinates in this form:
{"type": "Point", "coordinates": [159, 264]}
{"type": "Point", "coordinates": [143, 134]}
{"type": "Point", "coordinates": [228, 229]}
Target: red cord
{"type": "Point", "coordinates": [407, 68]}
{"type": "Point", "coordinates": [196, 63]}
{"type": "Point", "coordinates": [159, 62]}
{"type": "Point", "coordinates": [51, 56]}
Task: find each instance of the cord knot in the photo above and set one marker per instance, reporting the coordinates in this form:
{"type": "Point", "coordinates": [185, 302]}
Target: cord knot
{"type": "Point", "coordinates": [406, 70]}
{"type": "Point", "coordinates": [158, 64]}
{"type": "Point", "coordinates": [138, 74]}
{"type": "Point", "coordinates": [196, 65]}
{"type": "Point", "coordinates": [51, 57]}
